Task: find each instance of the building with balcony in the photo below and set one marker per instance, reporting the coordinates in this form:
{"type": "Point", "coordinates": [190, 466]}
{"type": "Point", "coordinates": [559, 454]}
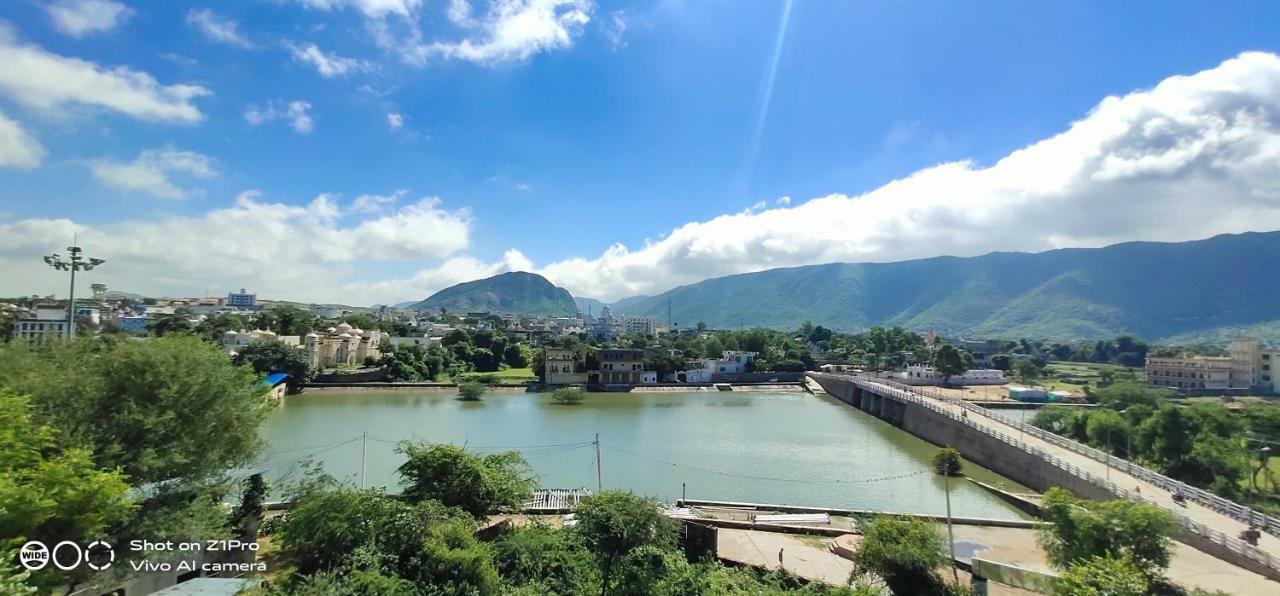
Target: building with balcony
{"type": "Point", "coordinates": [564, 366]}
{"type": "Point", "coordinates": [1247, 366]}
{"type": "Point", "coordinates": [621, 367]}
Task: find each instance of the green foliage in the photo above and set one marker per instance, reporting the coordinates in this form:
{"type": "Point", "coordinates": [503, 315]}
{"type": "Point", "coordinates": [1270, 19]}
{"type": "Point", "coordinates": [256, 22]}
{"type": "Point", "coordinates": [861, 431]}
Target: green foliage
{"type": "Point", "coordinates": [949, 362]}
{"type": "Point", "coordinates": [477, 484]}
{"type": "Point", "coordinates": [1108, 429]}
{"type": "Point", "coordinates": [1081, 530]}
{"type": "Point", "coordinates": [14, 580]}
{"type": "Point", "coordinates": [174, 324]}
{"type": "Point", "coordinates": [471, 391]}
{"type": "Point", "coordinates": [1121, 396]}
{"type": "Point", "coordinates": [613, 523]}
{"type": "Point", "coordinates": [172, 407]}
{"type": "Point", "coordinates": [906, 553]}
{"type": "Point", "coordinates": [568, 396]}
{"type": "Point", "coordinates": [1027, 372]}
{"type": "Point", "coordinates": [1102, 576]}
{"type": "Point", "coordinates": [451, 561]}
{"type": "Point", "coordinates": [48, 493]}
{"type": "Point", "coordinates": [946, 462]}
{"type": "Point", "coordinates": [285, 319]}
{"type": "Point", "coordinates": [266, 357]}
{"type": "Point", "coordinates": [555, 560]}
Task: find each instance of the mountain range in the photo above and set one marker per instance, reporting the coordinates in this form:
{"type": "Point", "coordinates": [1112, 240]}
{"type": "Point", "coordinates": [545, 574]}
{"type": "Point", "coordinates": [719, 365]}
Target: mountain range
{"type": "Point", "coordinates": [515, 292]}
{"type": "Point", "coordinates": [1205, 290]}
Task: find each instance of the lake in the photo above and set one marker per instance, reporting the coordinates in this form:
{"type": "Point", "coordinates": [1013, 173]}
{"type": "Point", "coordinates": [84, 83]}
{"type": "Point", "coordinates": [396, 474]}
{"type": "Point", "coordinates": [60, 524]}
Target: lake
{"type": "Point", "coordinates": [773, 447]}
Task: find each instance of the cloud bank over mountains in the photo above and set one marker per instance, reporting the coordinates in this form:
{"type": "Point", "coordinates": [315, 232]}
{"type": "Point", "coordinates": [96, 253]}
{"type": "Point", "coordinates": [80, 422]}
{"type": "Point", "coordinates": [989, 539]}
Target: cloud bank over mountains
{"type": "Point", "coordinates": [1193, 156]}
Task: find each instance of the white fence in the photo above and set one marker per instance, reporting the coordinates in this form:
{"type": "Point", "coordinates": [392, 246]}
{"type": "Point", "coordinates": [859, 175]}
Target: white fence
{"type": "Point", "coordinates": [925, 398]}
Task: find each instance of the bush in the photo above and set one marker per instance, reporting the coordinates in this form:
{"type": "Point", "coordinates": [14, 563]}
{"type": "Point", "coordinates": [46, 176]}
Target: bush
{"type": "Point", "coordinates": [1102, 575]}
{"type": "Point", "coordinates": [946, 462]}
{"type": "Point", "coordinates": [471, 391]}
{"type": "Point", "coordinates": [568, 396]}
{"type": "Point", "coordinates": [906, 553]}
{"type": "Point", "coordinates": [477, 484]}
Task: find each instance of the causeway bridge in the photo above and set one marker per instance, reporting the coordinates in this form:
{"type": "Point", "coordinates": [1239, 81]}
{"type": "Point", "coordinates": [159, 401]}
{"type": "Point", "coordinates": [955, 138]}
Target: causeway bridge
{"type": "Point", "coordinates": [1039, 459]}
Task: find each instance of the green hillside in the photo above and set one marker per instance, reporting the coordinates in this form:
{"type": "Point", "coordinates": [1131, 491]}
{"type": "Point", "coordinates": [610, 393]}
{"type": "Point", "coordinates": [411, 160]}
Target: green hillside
{"type": "Point", "coordinates": [516, 292]}
{"type": "Point", "coordinates": [1203, 289]}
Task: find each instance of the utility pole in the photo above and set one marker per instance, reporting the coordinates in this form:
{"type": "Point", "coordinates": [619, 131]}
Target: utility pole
{"type": "Point", "coordinates": [364, 443]}
{"type": "Point", "coordinates": [599, 477]}
{"type": "Point", "coordinates": [75, 262]}
{"type": "Point", "coordinates": [951, 537]}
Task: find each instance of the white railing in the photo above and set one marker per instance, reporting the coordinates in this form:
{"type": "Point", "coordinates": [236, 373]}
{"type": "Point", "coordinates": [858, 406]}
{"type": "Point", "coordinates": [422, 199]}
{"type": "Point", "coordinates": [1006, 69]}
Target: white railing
{"type": "Point", "coordinates": [911, 395]}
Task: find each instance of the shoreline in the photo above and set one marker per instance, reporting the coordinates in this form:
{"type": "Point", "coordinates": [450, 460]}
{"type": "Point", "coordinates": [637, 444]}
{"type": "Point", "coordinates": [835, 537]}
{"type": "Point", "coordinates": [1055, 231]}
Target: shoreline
{"type": "Point", "coordinates": [538, 388]}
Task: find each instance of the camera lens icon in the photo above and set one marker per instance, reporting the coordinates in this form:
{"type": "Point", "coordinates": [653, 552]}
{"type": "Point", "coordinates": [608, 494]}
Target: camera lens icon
{"type": "Point", "coordinates": [34, 555]}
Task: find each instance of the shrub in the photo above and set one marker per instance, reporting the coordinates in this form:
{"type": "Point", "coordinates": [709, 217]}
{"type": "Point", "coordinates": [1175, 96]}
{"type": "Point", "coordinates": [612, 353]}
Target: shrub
{"type": "Point", "coordinates": [471, 391]}
{"type": "Point", "coordinates": [946, 462]}
{"type": "Point", "coordinates": [568, 396]}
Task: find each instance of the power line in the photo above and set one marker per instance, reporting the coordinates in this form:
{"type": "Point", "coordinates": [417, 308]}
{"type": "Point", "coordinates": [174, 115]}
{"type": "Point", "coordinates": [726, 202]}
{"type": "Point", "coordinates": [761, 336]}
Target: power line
{"type": "Point", "coordinates": [769, 478]}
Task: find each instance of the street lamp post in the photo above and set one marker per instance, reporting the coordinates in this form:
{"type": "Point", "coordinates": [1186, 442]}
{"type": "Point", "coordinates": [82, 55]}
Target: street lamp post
{"type": "Point", "coordinates": [76, 261]}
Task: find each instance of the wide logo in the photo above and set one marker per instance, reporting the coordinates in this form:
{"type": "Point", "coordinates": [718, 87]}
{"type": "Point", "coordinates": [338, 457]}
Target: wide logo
{"type": "Point", "coordinates": [66, 555]}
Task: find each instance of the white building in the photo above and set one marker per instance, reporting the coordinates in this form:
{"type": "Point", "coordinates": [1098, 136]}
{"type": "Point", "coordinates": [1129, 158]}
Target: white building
{"type": "Point", "coordinates": [925, 374]}
{"type": "Point", "coordinates": [233, 341]}
{"type": "Point", "coordinates": [731, 362]}
{"type": "Point", "coordinates": [1247, 366]}
{"type": "Point", "coordinates": [44, 323]}
{"type": "Point", "coordinates": [342, 346]}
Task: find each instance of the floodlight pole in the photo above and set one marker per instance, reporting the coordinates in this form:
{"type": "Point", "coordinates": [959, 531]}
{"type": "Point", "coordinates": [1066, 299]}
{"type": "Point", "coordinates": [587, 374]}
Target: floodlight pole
{"type": "Point", "coordinates": [75, 262]}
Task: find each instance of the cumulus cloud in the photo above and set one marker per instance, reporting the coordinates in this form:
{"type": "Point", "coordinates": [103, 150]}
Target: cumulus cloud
{"type": "Point", "coordinates": [394, 121]}
{"type": "Point", "coordinates": [500, 31]}
{"type": "Point", "coordinates": [296, 112]}
{"type": "Point", "coordinates": [217, 28]}
{"type": "Point", "coordinates": [329, 65]}
{"type": "Point", "coordinates": [78, 18]}
{"type": "Point", "coordinates": [45, 81]}
{"type": "Point", "coordinates": [1192, 157]}
{"type": "Point", "coordinates": [151, 171]}
{"type": "Point", "coordinates": [17, 148]}
{"type": "Point", "coordinates": [314, 251]}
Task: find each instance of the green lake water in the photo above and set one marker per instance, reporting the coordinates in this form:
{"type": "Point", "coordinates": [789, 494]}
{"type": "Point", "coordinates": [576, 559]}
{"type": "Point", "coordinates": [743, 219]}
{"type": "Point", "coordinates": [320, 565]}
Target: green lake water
{"type": "Point", "coordinates": [773, 447]}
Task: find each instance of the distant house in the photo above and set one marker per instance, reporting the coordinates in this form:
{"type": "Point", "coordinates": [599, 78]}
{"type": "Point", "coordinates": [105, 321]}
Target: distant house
{"type": "Point", "coordinates": [132, 323]}
{"type": "Point", "coordinates": [621, 367]}
{"type": "Point", "coordinates": [233, 341]}
{"type": "Point", "coordinates": [44, 323]}
{"type": "Point", "coordinates": [925, 374]}
{"type": "Point", "coordinates": [242, 300]}
{"type": "Point", "coordinates": [564, 366]}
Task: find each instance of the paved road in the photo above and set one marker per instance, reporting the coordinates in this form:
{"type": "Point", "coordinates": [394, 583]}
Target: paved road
{"type": "Point", "coordinates": [1218, 521]}
{"type": "Point", "coordinates": [806, 558]}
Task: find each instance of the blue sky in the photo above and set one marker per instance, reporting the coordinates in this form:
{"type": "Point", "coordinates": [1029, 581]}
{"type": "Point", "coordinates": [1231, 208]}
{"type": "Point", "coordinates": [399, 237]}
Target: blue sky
{"type": "Point", "coordinates": [547, 131]}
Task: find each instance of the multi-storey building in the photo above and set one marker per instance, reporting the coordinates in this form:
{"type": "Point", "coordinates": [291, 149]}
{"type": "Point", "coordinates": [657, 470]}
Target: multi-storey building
{"type": "Point", "coordinates": [242, 299]}
{"type": "Point", "coordinates": [1246, 367]}
{"type": "Point", "coordinates": [621, 367]}
{"type": "Point", "coordinates": [41, 324]}
{"type": "Point", "coordinates": [639, 325]}
{"type": "Point", "coordinates": [564, 366]}
{"type": "Point", "coordinates": [342, 346]}
{"type": "Point", "coordinates": [232, 341]}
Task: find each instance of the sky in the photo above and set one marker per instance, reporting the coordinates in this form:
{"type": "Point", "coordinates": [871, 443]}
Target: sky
{"type": "Point", "coordinates": [376, 151]}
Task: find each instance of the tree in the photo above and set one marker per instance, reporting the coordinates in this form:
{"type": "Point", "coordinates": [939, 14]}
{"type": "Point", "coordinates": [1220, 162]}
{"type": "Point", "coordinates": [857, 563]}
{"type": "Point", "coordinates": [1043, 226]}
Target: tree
{"type": "Point", "coordinates": [286, 320]}
{"type": "Point", "coordinates": [452, 561]}
{"type": "Point", "coordinates": [1109, 430]}
{"type": "Point", "coordinates": [949, 362]}
{"type": "Point", "coordinates": [515, 356]}
{"type": "Point", "coordinates": [568, 396]}
{"type": "Point", "coordinates": [49, 493]}
{"type": "Point", "coordinates": [614, 523]}
{"type": "Point", "coordinates": [1102, 576]}
{"type": "Point", "coordinates": [905, 552]}
{"type": "Point", "coordinates": [946, 462]}
{"type": "Point", "coordinates": [477, 484]}
{"type": "Point", "coordinates": [1079, 530]}
{"type": "Point", "coordinates": [170, 408]}
{"type": "Point", "coordinates": [213, 326]}
{"type": "Point", "coordinates": [471, 391]}
{"type": "Point", "coordinates": [266, 357]}
{"type": "Point", "coordinates": [555, 560]}
{"type": "Point", "coordinates": [176, 323]}
{"type": "Point", "coordinates": [1027, 371]}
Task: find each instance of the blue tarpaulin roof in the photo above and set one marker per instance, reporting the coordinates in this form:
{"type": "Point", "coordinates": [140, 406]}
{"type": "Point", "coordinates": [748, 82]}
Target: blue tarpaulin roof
{"type": "Point", "coordinates": [274, 379]}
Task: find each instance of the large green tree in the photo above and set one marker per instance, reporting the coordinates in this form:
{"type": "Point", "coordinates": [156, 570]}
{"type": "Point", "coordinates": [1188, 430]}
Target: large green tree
{"type": "Point", "coordinates": [266, 357]}
{"type": "Point", "coordinates": [478, 484]}
{"type": "Point", "coordinates": [615, 523]}
{"type": "Point", "coordinates": [1079, 530]}
{"type": "Point", "coordinates": [905, 552]}
{"type": "Point", "coordinates": [949, 362]}
{"type": "Point", "coordinates": [173, 407]}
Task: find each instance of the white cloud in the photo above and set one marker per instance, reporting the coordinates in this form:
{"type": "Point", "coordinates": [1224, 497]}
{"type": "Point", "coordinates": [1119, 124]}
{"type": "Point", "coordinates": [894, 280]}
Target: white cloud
{"type": "Point", "coordinates": [296, 112]}
{"type": "Point", "coordinates": [615, 30]}
{"type": "Point", "coordinates": [150, 172]}
{"type": "Point", "coordinates": [783, 201]}
{"type": "Point", "coordinates": [45, 81]}
{"type": "Point", "coordinates": [17, 148]}
{"type": "Point", "coordinates": [80, 17]}
{"type": "Point", "coordinates": [218, 28]}
{"type": "Point", "coordinates": [371, 203]}
{"type": "Point", "coordinates": [395, 121]}
{"type": "Point", "coordinates": [503, 31]}
{"type": "Point", "coordinates": [329, 65]}
{"type": "Point", "coordinates": [1193, 157]}
{"type": "Point", "coordinates": [315, 251]}
{"type": "Point", "coordinates": [510, 30]}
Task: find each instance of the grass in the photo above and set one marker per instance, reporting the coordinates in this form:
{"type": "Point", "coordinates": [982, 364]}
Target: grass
{"type": "Point", "coordinates": [1087, 374]}
{"type": "Point", "coordinates": [509, 375]}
